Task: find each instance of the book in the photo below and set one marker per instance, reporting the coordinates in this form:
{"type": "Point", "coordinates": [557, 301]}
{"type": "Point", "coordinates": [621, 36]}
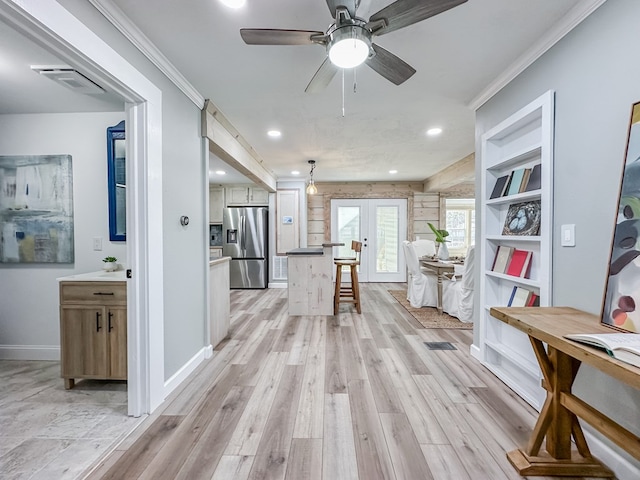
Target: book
{"type": "Point", "coordinates": [520, 263]}
{"type": "Point", "coordinates": [499, 187]}
{"type": "Point", "coordinates": [523, 219]}
{"type": "Point", "coordinates": [534, 179]}
{"type": "Point", "coordinates": [516, 180]}
{"type": "Point", "coordinates": [534, 300]}
{"type": "Point", "coordinates": [502, 258]}
{"type": "Point", "coordinates": [622, 346]}
{"type": "Point", "coordinates": [525, 180]}
{"type": "Point", "coordinates": [520, 297]}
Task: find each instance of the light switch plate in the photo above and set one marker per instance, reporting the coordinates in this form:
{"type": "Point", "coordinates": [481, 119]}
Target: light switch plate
{"type": "Point", "coordinates": [97, 243]}
{"type": "Point", "coordinates": [568, 235]}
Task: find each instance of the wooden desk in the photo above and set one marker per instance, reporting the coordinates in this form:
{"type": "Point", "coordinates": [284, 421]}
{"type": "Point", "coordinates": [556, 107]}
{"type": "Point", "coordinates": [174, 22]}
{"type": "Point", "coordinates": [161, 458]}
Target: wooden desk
{"type": "Point", "coordinates": [558, 420]}
{"type": "Point", "coordinates": [440, 268]}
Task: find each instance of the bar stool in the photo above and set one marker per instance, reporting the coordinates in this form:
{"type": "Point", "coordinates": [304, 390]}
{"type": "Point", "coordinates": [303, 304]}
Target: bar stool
{"type": "Point", "coordinates": [350, 294]}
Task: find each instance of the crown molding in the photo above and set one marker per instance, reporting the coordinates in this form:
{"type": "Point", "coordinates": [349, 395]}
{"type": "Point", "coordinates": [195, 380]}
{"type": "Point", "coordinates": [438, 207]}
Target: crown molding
{"type": "Point", "coordinates": [129, 29]}
{"type": "Point", "coordinates": [567, 23]}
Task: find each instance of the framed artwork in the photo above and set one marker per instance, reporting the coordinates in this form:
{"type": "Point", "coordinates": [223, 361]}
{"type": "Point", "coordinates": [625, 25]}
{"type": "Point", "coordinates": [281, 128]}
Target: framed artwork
{"type": "Point", "coordinates": [36, 209]}
{"type": "Point", "coordinates": [621, 305]}
{"type": "Point", "coordinates": [523, 219]}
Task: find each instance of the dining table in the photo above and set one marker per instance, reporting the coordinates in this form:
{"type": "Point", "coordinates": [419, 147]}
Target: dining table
{"type": "Point", "coordinates": [440, 268]}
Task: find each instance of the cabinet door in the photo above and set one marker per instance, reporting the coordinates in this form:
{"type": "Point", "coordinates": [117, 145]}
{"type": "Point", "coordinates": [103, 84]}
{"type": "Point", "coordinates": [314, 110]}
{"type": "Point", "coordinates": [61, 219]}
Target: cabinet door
{"type": "Point", "coordinates": [258, 196]}
{"type": "Point", "coordinates": [216, 205]}
{"type": "Point", "coordinates": [117, 333]}
{"type": "Point", "coordinates": [237, 195]}
{"type": "Point", "coordinates": [83, 341]}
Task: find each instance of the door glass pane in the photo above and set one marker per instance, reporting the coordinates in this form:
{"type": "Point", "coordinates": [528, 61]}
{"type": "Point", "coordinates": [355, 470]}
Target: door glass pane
{"type": "Point", "coordinates": [348, 229]}
{"type": "Point", "coordinates": [387, 239]}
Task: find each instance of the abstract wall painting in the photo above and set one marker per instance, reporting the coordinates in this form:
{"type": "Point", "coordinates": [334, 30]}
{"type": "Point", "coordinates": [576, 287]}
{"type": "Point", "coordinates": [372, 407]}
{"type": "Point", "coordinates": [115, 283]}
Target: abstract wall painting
{"type": "Point", "coordinates": [36, 209]}
{"type": "Point", "coordinates": [621, 306]}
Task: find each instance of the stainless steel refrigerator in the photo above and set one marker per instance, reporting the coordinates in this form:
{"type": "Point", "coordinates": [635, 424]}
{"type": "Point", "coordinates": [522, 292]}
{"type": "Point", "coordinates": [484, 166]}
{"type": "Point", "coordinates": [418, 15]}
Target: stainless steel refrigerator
{"type": "Point", "coordinates": [244, 239]}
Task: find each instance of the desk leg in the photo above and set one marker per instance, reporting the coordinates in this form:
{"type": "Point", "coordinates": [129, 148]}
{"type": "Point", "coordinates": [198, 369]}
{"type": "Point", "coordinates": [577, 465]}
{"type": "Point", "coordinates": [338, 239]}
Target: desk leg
{"type": "Point", "coordinates": [556, 424]}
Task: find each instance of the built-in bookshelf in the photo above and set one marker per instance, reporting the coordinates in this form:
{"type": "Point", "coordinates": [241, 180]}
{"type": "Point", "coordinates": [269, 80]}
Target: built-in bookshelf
{"type": "Point", "coordinates": [519, 143]}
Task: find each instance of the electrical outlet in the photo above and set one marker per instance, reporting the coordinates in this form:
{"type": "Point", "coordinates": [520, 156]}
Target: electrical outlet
{"type": "Point", "coordinates": [97, 243]}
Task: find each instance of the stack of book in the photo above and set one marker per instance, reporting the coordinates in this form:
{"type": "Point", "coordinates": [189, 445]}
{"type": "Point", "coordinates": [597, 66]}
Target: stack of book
{"type": "Point", "coordinates": [521, 297]}
{"type": "Point", "coordinates": [511, 261]}
{"type": "Point", "coordinates": [517, 181]}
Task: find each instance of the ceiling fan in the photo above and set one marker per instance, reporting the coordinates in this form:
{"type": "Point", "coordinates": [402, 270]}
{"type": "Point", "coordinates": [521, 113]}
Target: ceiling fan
{"type": "Point", "coordinates": [348, 39]}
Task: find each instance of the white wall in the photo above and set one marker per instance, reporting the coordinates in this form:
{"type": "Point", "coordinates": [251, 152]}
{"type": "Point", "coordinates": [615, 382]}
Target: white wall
{"type": "Point", "coordinates": [184, 174]}
{"type": "Point", "coordinates": [595, 75]}
{"type": "Point", "coordinates": [29, 320]}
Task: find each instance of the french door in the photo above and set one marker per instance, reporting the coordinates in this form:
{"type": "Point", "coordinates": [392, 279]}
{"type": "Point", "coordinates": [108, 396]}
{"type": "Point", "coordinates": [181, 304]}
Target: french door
{"type": "Point", "coordinates": [381, 226]}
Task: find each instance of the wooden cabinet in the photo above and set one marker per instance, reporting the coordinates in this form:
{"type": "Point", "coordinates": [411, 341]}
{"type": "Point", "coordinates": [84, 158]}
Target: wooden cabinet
{"type": "Point", "coordinates": [93, 331]}
{"type": "Point", "coordinates": [216, 204]}
{"type": "Point", "coordinates": [243, 195]}
{"type": "Point", "coordinates": [523, 140]}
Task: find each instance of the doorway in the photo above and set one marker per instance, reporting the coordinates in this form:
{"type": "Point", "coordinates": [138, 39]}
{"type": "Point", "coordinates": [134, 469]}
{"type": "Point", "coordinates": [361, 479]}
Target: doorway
{"type": "Point", "coordinates": [381, 226]}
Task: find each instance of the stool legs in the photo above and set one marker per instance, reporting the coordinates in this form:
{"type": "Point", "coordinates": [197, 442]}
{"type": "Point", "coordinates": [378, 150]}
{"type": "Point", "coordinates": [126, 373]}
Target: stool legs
{"type": "Point", "coordinates": [347, 294]}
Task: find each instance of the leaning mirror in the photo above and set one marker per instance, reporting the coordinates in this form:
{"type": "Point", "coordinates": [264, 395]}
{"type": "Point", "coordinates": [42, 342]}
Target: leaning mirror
{"type": "Point", "coordinates": [117, 184]}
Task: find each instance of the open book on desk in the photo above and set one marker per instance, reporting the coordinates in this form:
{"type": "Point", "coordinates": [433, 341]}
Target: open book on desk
{"type": "Point", "coordinates": [622, 346]}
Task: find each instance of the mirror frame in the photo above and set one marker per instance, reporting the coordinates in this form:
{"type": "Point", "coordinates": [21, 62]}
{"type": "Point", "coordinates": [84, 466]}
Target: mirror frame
{"type": "Point", "coordinates": [114, 133]}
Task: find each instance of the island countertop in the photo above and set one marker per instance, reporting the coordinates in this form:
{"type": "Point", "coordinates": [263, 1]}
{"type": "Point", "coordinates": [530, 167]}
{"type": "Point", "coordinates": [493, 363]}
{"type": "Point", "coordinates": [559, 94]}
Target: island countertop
{"type": "Point", "coordinates": [306, 251]}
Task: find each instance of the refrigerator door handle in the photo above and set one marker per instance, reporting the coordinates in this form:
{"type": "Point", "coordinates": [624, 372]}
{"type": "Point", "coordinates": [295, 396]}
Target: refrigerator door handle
{"type": "Point", "coordinates": [243, 235]}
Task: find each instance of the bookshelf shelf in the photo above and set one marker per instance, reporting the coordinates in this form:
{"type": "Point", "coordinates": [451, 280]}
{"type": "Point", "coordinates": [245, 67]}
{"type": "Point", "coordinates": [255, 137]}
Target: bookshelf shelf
{"type": "Point", "coordinates": [523, 140]}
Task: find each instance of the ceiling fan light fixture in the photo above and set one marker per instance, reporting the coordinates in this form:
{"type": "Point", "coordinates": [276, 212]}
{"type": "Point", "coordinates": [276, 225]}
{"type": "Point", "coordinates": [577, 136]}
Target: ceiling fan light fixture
{"type": "Point", "coordinates": [349, 46]}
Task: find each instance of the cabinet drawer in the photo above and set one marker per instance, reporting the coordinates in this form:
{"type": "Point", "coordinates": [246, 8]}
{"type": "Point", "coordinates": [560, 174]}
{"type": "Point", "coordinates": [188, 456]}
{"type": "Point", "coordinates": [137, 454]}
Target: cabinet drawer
{"type": "Point", "coordinates": [93, 293]}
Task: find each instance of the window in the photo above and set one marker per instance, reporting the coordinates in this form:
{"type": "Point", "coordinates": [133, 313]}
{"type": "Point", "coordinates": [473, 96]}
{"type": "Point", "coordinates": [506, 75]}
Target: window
{"type": "Point", "coordinates": [460, 223]}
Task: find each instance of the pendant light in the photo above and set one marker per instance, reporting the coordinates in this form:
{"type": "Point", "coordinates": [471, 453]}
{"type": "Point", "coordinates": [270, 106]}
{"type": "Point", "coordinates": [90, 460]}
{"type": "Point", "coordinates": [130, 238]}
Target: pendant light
{"type": "Point", "coordinates": [311, 187]}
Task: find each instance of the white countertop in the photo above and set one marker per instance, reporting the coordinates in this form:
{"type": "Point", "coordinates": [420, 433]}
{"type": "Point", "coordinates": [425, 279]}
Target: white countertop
{"type": "Point", "coordinates": [218, 260]}
{"type": "Point", "coordinates": [99, 276]}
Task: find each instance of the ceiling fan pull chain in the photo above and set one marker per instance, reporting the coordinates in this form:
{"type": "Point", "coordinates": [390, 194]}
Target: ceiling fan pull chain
{"type": "Point", "coordinates": [355, 80]}
{"type": "Point", "coordinates": [343, 92]}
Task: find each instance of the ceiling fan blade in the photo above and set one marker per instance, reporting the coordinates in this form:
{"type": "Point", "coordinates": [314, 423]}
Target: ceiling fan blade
{"type": "Point", "coordinates": [350, 5]}
{"type": "Point", "coordinates": [403, 13]}
{"type": "Point", "coordinates": [389, 66]}
{"type": "Point", "coordinates": [322, 77]}
{"type": "Point", "coordinates": [270, 36]}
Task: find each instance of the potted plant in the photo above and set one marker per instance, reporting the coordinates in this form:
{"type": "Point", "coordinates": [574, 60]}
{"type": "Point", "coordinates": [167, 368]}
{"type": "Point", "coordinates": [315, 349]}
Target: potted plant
{"type": "Point", "coordinates": [110, 264]}
{"type": "Point", "coordinates": [441, 238]}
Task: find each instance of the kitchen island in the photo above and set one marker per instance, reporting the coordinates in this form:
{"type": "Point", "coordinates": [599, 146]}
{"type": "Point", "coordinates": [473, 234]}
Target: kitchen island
{"type": "Point", "coordinates": [310, 280]}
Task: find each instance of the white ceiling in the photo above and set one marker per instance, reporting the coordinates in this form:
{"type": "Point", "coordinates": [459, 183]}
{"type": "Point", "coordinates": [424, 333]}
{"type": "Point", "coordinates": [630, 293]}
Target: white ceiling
{"type": "Point", "coordinates": [457, 54]}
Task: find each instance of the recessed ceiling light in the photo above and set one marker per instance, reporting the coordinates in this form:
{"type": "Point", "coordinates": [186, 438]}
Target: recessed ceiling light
{"type": "Point", "coordinates": [393, 172]}
{"type": "Point", "coordinates": [233, 3]}
{"type": "Point", "coordinates": [274, 133]}
{"type": "Point", "coordinates": [220, 172]}
{"type": "Point", "coordinates": [295, 172]}
{"type": "Point", "coordinates": [434, 131]}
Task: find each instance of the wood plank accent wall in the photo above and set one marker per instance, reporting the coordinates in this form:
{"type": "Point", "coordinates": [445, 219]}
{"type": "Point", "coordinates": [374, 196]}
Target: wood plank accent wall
{"type": "Point", "coordinates": [421, 207]}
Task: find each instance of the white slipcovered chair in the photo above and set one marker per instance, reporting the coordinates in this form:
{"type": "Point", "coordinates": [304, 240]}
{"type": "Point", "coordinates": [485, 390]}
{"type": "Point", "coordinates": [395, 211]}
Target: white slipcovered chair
{"type": "Point", "coordinates": [457, 292]}
{"type": "Point", "coordinates": [424, 247]}
{"type": "Point", "coordinates": [422, 288]}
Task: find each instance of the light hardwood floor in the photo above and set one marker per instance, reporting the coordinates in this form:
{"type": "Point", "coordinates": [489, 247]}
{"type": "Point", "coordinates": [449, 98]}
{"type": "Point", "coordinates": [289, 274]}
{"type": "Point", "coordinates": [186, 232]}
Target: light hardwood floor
{"type": "Point", "coordinates": [337, 397]}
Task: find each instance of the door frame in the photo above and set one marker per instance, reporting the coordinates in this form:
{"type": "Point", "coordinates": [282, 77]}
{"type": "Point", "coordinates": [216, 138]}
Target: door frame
{"type": "Point", "coordinates": [52, 26]}
{"type": "Point", "coordinates": [367, 270]}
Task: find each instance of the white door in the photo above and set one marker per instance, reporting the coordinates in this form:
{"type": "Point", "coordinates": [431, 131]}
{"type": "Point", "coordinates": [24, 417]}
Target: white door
{"type": "Point", "coordinates": [381, 226]}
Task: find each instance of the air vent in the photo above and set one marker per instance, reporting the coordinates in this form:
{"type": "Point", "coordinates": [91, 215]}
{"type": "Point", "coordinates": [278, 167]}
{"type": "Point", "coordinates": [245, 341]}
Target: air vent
{"type": "Point", "coordinates": [439, 346]}
{"type": "Point", "coordinates": [279, 268]}
{"type": "Point", "coordinates": [68, 77]}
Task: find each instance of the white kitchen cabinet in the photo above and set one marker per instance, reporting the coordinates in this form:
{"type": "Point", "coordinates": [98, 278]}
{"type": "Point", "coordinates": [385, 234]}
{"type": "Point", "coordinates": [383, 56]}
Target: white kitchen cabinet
{"type": "Point", "coordinates": [246, 195]}
{"type": "Point", "coordinates": [216, 204]}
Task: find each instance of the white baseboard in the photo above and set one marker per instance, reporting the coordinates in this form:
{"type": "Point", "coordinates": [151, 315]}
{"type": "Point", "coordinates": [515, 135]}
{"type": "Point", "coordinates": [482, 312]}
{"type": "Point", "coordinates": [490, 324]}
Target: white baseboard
{"type": "Point", "coordinates": [623, 466]}
{"type": "Point", "coordinates": [278, 285]}
{"type": "Point", "coordinates": [474, 351]}
{"type": "Point", "coordinates": [30, 352]}
{"type": "Point", "coordinates": [208, 351]}
{"type": "Point", "coordinates": [187, 369]}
